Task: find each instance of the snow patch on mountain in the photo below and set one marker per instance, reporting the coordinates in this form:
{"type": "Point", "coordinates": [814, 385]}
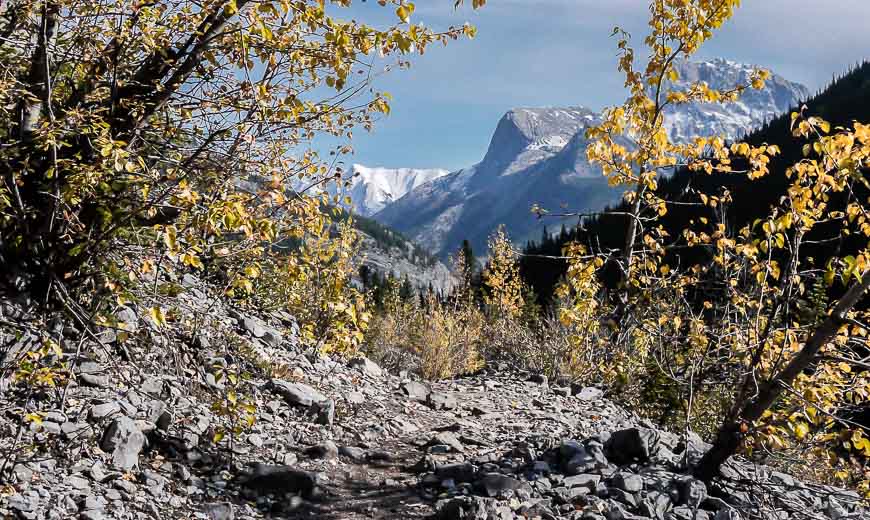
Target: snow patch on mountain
{"type": "Point", "coordinates": [370, 189]}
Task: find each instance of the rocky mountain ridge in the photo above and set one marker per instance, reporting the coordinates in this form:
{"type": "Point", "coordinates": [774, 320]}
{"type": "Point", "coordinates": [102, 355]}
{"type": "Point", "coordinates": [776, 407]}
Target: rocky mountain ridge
{"type": "Point", "coordinates": [370, 189]}
{"type": "Point", "coordinates": [142, 432]}
{"type": "Point", "coordinates": [537, 157]}
{"type": "Point", "coordinates": [388, 253]}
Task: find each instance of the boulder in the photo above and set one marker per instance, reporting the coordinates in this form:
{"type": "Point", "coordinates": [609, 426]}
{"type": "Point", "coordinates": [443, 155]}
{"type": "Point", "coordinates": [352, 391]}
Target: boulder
{"type": "Point", "coordinates": [280, 479]}
{"type": "Point", "coordinates": [222, 511]}
{"type": "Point", "coordinates": [102, 410]}
{"type": "Point", "coordinates": [632, 445]}
{"type": "Point", "coordinates": [366, 366]}
{"type": "Point", "coordinates": [589, 393]}
{"type": "Point", "coordinates": [124, 441]}
{"type": "Point", "coordinates": [627, 482]}
{"type": "Point", "coordinates": [692, 492]}
{"type": "Point", "coordinates": [297, 394]}
{"type": "Point", "coordinates": [497, 485]}
{"type": "Point", "coordinates": [326, 450]}
{"type": "Point", "coordinates": [442, 401]}
{"type": "Point", "coordinates": [415, 390]}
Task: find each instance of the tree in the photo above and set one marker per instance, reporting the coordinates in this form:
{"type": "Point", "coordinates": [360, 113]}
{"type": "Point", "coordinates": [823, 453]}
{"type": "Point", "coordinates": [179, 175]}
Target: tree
{"type": "Point", "coordinates": [728, 321]}
{"type": "Point", "coordinates": [178, 120]}
{"type": "Point", "coordinates": [503, 289]}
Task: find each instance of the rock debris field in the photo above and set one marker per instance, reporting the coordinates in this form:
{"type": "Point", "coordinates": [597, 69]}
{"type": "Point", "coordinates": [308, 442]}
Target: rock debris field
{"type": "Point", "coordinates": [132, 438]}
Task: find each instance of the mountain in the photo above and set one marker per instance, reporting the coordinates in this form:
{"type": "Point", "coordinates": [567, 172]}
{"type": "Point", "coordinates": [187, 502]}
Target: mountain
{"type": "Point", "coordinates": [753, 109]}
{"type": "Point", "coordinates": [845, 100]}
{"type": "Point", "coordinates": [537, 156]}
{"type": "Point", "coordinates": [371, 189]}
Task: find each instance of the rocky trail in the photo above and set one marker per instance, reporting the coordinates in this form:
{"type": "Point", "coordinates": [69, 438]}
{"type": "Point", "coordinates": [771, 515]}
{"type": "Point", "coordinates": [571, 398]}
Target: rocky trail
{"type": "Point", "coordinates": [132, 438]}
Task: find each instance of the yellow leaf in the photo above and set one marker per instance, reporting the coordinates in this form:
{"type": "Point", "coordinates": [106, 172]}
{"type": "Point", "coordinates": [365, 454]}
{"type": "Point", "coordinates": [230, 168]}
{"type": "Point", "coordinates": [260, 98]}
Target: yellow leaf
{"type": "Point", "coordinates": [157, 316]}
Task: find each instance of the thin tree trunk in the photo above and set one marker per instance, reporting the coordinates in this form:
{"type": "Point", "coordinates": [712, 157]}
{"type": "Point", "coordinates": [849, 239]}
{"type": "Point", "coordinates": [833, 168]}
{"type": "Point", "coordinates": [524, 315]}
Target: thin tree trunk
{"type": "Point", "coordinates": [631, 235]}
{"type": "Point", "coordinates": [731, 435]}
{"type": "Point", "coordinates": [31, 107]}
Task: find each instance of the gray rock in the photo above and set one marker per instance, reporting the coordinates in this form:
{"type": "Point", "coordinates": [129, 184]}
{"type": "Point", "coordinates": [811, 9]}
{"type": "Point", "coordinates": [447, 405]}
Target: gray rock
{"type": "Point", "coordinates": [587, 481]}
{"type": "Point", "coordinates": [590, 393]}
{"type": "Point", "coordinates": [326, 412]}
{"type": "Point", "coordinates": [24, 502]}
{"type": "Point", "coordinates": [654, 505]}
{"type": "Point", "coordinates": [562, 391]}
{"type": "Point", "coordinates": [727, 514]}
{"type": "Point", "coordinates": [95, 380]}
{"type": "Point", "coordinates": [98, 472]}
{"type": "Point", "coordinates": [78, 483]}
{"type": "Point", "coordinates": [297, 394]}
{"type": "Point", "coordinates": [355, 398]}
{"type": "Point", "coordinates": [539, 379]}
{"type": "Point", "coordinates": [123, 439]}
{"type": "Point", "coordinates": [353, 453]}
{"type": "Point", "coordinates": [447, 439]}
{"type": "Point", "coordinates": [288, 458]}
{"type": "Point", "coordinates": [158, 414]}
{"type": "Point", "coordinates": [93, 514]}
{"type": "Point", "coordinates": [254, 326]}
{"type": "Point", "coordinates": [623, 496]}
{"type": "Point", "coordinates": [498, 485]}
{"type": "Point", "coordinates": [632, 445]}
{"type": "Point", "coordinates": [23, 474]}
{"type": "Point", "coordinates": [103, 410]}
{"type": "Point", "coordinates": [465, 508]}
{"type": "Point", "coordinates": [94, 502]}
{"type": "Point", "coordinates": [416, 390]}
{"type": "Point", "coordinates": [687, 513]}
{"type": "Point", "coordinates": [272, 337]}
{"type": "Point", "coordinates": [152, 386]}
{"type": "Point", "coordinates": [127, 318]}
{"type": "Point", "coordinates": [222, 511]}
{"type": "Point", "coordinates": [255, 440]}
{"type": "Point", "coordinates": [627, 482]}
{"type": "Point", "coordinates": [125, 486]}
{"type": "Point", "coordinates": [692, 492]}
{"type": "Point", "coordinates": [460, 472]}
{"type": "Point", "coordinates": [442, 401]}
{"type": "Point", "coordinates": [366, 366]}
{"type": "Point", "coordinates": [326, 450]}
{"type": "Point", "coordinates": [265, 478]}
{"type": "Point", "coordinates": [580, 458]}
{"type": "Point", "coordinates": [76, 431]}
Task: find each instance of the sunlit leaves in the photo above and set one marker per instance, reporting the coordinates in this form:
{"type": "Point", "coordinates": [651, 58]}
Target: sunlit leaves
{"type": "Point", "coordinates": [503, 285]}
{"type": "Point", "coordinates": [158, 316]}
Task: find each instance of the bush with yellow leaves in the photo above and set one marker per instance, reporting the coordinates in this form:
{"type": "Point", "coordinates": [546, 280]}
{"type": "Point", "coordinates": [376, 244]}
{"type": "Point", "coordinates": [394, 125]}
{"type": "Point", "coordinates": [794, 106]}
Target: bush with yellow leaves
{"type": "Point", "coordinates": [436, 338]}
{"type": "Point", "coordinates": [313, 283]}
{"type": "Point", "coordinates": [723, 341]}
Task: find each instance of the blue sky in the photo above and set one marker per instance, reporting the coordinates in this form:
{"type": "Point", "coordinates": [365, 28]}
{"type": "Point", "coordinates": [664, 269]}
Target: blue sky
{"type": "Point", "coordinates": [559, 52]}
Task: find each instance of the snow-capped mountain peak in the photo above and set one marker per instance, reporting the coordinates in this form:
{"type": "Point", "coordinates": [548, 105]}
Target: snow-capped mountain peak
{"type": "Point", "coordinates": [371, 189]}
{"type": "Point", "coordinates": [733, 120]}
{"type": "Point", "coordinates": [538, 156]}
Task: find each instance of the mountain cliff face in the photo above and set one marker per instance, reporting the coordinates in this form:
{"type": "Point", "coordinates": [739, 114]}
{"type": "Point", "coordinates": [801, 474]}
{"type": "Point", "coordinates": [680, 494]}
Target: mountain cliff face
{"type": "Point", "coordinates": [754, 108]}
{"type": "Point", "coordinates": [538, 156]}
